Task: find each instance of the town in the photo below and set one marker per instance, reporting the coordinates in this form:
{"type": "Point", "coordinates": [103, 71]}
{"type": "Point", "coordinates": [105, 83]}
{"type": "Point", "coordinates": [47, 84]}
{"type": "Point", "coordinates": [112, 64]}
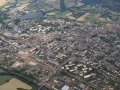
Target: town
{"type": "Point", "coordinates": [63, 54]}
{"type": "Point", "coordinates": [50, 49]}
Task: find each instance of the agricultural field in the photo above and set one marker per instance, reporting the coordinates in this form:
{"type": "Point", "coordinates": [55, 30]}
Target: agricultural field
{"type": "Point", "coordinates": [108, 19]}
{"type": "Point", "coordinates": [4, 79]}
{"type": "Point", "coordinates": [78, 10]}
{"type": "Point", "coordinates": [81, 18]}
{"type": "Point", "coordinates": [69, 15]}
{"type": "Point", "coordinates": [1, 70]}
{"type": "Point", "coordinates": [102, 19]}
{"type": "Point", "coordinates": [113, 12]}
{"type": "Point", "coordinates": [51, 13]}
{"type": "Point", "coordinates": [2, 2]}
{"type": "Point", "coordinates": [14, 84]}
{"type": "Point", "coordinates": [81, 11]}
{"type": "Point", "coordinates": [118, 20]}
{"type": "Point", "coordinates": [79, 4]}
{"type": "Point", "coordinates": [21, 7]}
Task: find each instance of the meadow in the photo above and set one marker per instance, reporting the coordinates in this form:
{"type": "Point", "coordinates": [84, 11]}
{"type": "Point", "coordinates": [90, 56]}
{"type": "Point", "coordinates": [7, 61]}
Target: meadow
{"type": "Point", "coordinates": [81, 11]}
{"type": "Point", "coordinates": [81, 18]}
{"type": "Point", "coordinates": [15, 84]}
{"type": "Point", "coordinates": [2, 2]}
{"type": "Point", "coordinates": [1, 70]}
{"type": "Point", "coordinates": [4, 79]}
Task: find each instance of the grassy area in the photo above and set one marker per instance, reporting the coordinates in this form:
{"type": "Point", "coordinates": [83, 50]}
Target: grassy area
{"type": "Point", "coordinates": [108, 19]}
{"type": "Point", "coordinates": [102, 19]}
{"type": "Point", "coordinates": [71, 17]}
{"type": "Point", "coordinates": [1, 70]}
{"type": "Point", "coordinates": [118, 20]}
{"type": "Point", "coordinates": [21, 7]}
{"type": "Point", "coordinates": [69, 3]}
{"type": "Point", "coordinates": [78, 10]}
{"type": "Point", "coordinates": [93, 17]}
{"type": "Point", "coordinates": [14, 84]}
{"type": "Point", "coordinates": [4, 79]}
{"type": "Point", "coordinates": [114, 13]}
{"type": "Point", "coordinates": [79, 4]}
{"type": "Point", "coordinates": [2, 2]}
{"type": "Point", "coordinates": [114, 17]}
{"type": "Point", "coordinates": [96, 16]}
{"type": "Point", "coordinates": [68, 14]}
{"type": "Point", "coordinates": [7, 20]}
{"type": "Point", "coordinates": [81, 18]}
{"type": "Point", "coordinates": [51, 13]}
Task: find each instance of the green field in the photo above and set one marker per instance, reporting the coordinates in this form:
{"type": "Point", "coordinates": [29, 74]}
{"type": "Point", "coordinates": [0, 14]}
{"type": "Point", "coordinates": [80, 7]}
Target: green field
{"type": "Point", "coordinates": [15, 84]}
{"type": "Point", "coordinates": [1, 70]}
{"type": "Point", "coordinates": [4, 79]}
{"type": "Point", "coordinates": [85, 14]}
{"type": "Point", "coordinates": [80, 10]}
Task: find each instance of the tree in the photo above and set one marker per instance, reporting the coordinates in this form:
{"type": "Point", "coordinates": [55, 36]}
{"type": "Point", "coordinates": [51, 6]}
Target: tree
{"type": "Point", "coordinates": [17, 21]}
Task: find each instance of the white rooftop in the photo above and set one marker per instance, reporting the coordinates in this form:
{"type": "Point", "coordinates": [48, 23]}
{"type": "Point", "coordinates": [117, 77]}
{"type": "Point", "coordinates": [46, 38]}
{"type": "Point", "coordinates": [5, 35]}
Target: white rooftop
{"type": "Point", "coordinates": [65, 87]}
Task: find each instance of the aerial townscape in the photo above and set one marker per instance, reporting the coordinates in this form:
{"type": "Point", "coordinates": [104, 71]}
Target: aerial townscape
{"type": "Point", "coordinates": [59, 44]}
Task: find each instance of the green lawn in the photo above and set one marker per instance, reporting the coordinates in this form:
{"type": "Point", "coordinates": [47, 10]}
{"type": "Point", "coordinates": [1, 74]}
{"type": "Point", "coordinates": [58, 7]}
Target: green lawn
{"type": "Point", "coordinates": [4, 79]}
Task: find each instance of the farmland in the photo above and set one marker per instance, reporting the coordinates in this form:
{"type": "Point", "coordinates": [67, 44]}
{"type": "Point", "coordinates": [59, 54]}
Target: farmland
{"type": "Point", "coordinates": [22, 6]}
{"type": "Point", "coordinates": [83, 17]}
{"type": "Point", "coordinates": [78, 10]}
{"type": "Point", "coordinates": [8, 82]}
{"type": "Point", "coordinates": [1, 70]}
{"type": "Point", "coordinates": [4, 79]}
{"type": "Point", "coordinates": [2, 2]}
{"type": "Point", "coordinates": [32, 50]}
{"type": "Point", "coordinates": [14, 84]}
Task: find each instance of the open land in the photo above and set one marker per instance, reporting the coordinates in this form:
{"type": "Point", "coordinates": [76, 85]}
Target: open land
{"type": "Point", "coordinates": [4, 79]}
{"type": "Point", "coordinates": [81, 11]}
{"type": "Point", "coordinates": [2, 2]}
{"type": "Point", "coordinates": [1, 70]}
{"type": "Point", "coordinates": [81, 18]}
{"type": "Point", "coordinates": [21, 7]}
{"type": "Point", "coordinates": [61, 43]}
{"type": "Point", "coordinates": [79, 4]}
{"type": "Point", "coordinates": [13, 84]}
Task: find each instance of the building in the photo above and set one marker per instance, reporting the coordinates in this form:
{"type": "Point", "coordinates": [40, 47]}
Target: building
{"type": "Point", "coordinates": [65, 87]}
